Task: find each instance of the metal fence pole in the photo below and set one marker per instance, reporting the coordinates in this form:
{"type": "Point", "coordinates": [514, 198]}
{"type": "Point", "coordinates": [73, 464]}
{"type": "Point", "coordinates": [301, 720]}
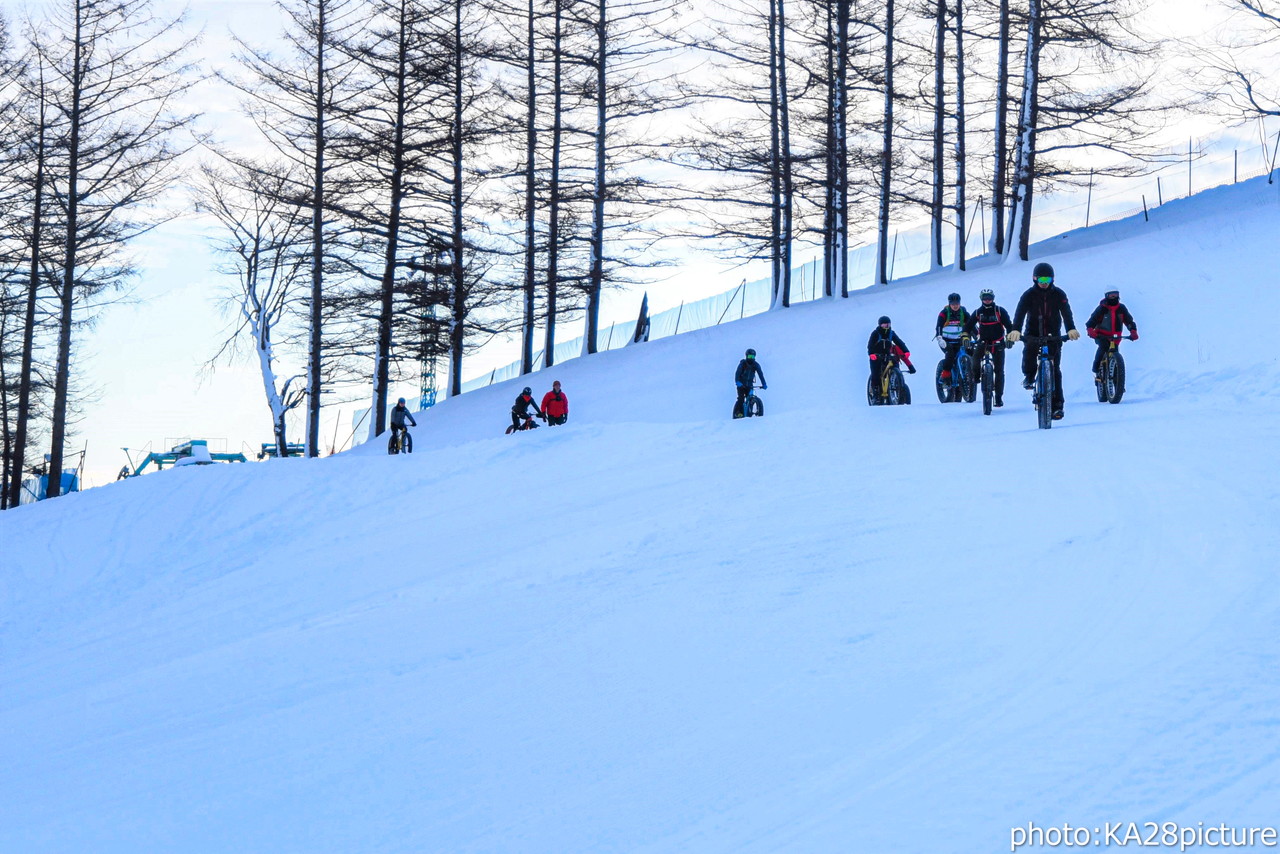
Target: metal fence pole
{"type": "Point", "coordinates": [1188, 167]}
{"type": "Point", "coordinates": [1088, 205]}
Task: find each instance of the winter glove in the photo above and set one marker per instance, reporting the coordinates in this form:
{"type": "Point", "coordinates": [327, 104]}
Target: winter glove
{"type": "Point", "coordinates": [911, 369]}
{"type": "Point", "coordinates": [739, 385]}
{"type": "Point", "coordinates": [1133, 336]}
{"type": "Point", "coordinates": [763, 387]}
{"type": "Point", "coordinates": [1073, 335]}
{"type": "Point", "coordinates": [1014, 336]}
{"type": "Point", "coordinates": [1093, 333]}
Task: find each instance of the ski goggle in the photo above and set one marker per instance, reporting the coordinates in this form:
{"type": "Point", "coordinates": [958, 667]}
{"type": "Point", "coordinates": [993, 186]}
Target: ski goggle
{"type": "Point", "coordinates": [1112, 294]}
{"type": "Point", "coordinates": [750, 356]}
{"type": "Point", "coordinates": [988, 299]}
{"type": "Point", "coordinates": [1044, 280]}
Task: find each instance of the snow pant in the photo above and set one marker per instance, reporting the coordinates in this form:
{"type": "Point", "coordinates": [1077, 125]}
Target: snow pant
{"type": "Point", "coordinates": [1029, 358]}
{"type": "Point", "coordinates": [554, 420]}
{"type": "Point", "coordinates": [949, 355]}
{"type": "Point", "coordinates": [997, 365]}
{"type": "Point", "coordinates": [738, 410]}
{"type": "Point", "coordinates": [517, 419]}
{"type": "Point", "coordinates": [877, 367]}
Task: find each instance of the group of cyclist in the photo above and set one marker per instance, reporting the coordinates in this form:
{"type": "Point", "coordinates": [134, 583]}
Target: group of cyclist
{"type": "Point", "coordinates": [1043, 310]}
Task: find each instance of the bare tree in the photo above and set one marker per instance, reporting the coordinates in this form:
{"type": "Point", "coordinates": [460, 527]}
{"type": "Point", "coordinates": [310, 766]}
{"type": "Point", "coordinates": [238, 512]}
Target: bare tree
{"type": "Point", "coordinates": [1240, 62]}
{"type": "Point", "coordinates": [394, 131]}
{"type": "Point", "coordinates": [292, 99]}
{"type": "Point", "coordinates": [1083, 89]}
{"type": "Point", "coordinates": [265, 244]}
{"type": "Point", "coordinates": [886, 151]}
{"type": "Point", "coordinates": [115, 73]}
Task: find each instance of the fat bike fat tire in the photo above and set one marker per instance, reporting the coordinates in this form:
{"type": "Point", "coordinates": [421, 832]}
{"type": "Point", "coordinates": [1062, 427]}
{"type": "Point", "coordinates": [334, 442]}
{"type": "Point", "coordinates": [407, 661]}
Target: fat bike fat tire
{"type": "Point", "coordinates": [1114, 379]}
{"type": "Point", "coordinates": [988, 387]}
{"type": "Point", "coordinates": [943, 387]}
{"type": "Point", "coordinates": [968, 387]}
{"type": "Point", "coordinates": [1044, 395]}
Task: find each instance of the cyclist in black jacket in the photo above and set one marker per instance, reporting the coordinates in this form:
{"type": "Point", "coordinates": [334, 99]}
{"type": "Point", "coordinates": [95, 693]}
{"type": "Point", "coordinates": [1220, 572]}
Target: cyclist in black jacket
{"type": "Point", "coordinates": [520, 409]}
{"type": "Point", "coordinates": [882, 344]}
{"type": "Point", "coordinates": [989, 324]}
{"type": "Point", "coordinates": [398, 415]}
{"type": "Point", "coordinates": [1044, 309]}
{"type": "Point", "coordinates": [748, 368]}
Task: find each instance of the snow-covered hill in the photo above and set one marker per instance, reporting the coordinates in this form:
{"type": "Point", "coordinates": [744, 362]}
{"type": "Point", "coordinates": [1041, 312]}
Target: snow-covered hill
{"type": "Point", "coordinates": [836, 628]}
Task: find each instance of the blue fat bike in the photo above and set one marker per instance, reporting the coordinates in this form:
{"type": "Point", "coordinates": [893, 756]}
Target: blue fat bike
{"type": "Point", "coordinates": [961, 384]}
{"type": "Point", "coordinates": [1042, 395]}
{"type": "Point", "coordinates": [751, 405]}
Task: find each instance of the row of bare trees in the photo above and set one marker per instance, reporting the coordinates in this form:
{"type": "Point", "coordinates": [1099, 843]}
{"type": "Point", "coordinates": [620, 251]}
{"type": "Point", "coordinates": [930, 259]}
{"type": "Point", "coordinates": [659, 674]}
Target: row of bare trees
{"type": "Point", "coordinates": [415, 177]}
{"type": "Point", "coordinates": [92, 133]}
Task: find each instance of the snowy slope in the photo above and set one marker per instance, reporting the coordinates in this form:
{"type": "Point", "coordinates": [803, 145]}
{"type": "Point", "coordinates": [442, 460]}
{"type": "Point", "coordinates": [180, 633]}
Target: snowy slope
{"type": "Point", "coordinates": [833, 629]}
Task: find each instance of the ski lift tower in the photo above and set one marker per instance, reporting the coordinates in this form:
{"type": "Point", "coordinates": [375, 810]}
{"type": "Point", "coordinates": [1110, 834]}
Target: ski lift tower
{"type": "Point", "coordinates": [427, 379]}
{"type": "Point", "coordinates": [430, 326]}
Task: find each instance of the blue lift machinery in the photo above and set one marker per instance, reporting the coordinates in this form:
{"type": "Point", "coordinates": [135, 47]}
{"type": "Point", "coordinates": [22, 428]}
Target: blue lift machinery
{"type": "Point", "coordinates": [292, 449]}
{"type": "Point", "coordinates": [188, 452]}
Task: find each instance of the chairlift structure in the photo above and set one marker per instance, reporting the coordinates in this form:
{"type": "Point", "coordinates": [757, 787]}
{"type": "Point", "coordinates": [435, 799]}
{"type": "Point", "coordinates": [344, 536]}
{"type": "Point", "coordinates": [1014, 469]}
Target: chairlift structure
{"type": "Point", "coordinates": [188, 452]}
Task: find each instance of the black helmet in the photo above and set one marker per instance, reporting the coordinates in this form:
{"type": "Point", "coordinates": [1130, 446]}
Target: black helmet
{"type": "Point", "coordinates": [884, 318]}
{"type": "Point", "coordinates": [1042, 269]}
{"type": "Point", "coordinates": [527, 390]}
{"type": "Point", "coordinates": [953, 297]}
{"type": "Point", "coordinates": [986, 293]}
{"type": "Point", "coordinates": [751, 353]}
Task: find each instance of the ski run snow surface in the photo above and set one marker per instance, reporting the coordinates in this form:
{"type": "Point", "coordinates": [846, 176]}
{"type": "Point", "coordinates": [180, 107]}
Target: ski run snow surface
{"type": "Point", "coordinates": [836, 628]}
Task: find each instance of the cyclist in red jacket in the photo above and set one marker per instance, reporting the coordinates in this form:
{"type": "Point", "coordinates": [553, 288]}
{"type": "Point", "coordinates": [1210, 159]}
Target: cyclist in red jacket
{"type": "Point", "coordinates": [1106, 325]}
{"type": "Point", "coordinates": [555, 405]}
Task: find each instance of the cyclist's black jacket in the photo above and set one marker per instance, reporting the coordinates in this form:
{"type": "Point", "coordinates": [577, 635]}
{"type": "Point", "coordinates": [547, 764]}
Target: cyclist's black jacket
{"type": "Point", "coordinates": [748, 368]}
{"type": "Point", "coordinates": [521, 406]}
{"type": "Point", "coordinates": [399, 414]}
{"type": "Point", "coordinates": [989, 323]}
{"type": "Point", "coordinates": [1045, 310]}
{"type": "Point", "coordinates": [882, 344]}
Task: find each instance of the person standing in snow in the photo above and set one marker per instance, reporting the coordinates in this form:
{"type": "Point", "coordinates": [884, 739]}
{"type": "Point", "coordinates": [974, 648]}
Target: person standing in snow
{"type": "Point", "coordinates": [884, 342]}
{"type": "Point", "coordinates": [520, 409]}
{"type": "Point", "coordinates": [1106, 325]}
{"type": "Point", "coordinates": [1044, 309]}
{"type": "Point", "coordinates": [555, 405]}
{"type": "Point", "coordinates": [748, 368]}
{"type": "Point", "coordinates": [950, 327]}
{"type": "Point", "coordinates": [989, 324]}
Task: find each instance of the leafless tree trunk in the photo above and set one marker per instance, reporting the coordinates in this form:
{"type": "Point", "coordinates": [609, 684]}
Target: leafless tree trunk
{"type": "Point", "coordinates": [117, 105]}
{"type": "Point", "coordinates": [886, 152]}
